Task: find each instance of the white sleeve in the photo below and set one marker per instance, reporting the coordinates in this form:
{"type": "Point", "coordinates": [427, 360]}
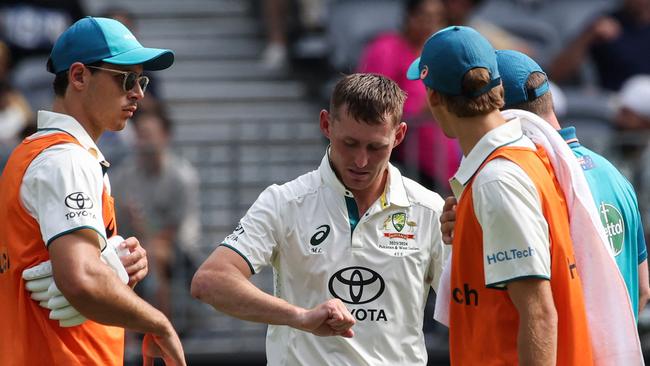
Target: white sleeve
{"type": "Point", "coordinates": [62, 190]}
{"type": "Point", "coordinates": [515, 231]}
{"type": "Point", "coordinates": [257, 235]}
{"type": "Point", "coordinates": [439, 251]}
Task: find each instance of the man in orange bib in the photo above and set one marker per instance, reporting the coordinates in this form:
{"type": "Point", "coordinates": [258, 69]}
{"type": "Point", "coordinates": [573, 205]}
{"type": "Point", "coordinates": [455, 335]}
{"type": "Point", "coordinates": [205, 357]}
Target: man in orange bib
{"type": "Point", "coordinates": [65, 293]}
{"type": "Point", "coordinates": [516, 296]}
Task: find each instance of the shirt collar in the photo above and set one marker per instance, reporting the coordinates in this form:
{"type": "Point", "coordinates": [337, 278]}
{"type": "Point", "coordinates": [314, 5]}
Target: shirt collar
{"type": "Point", "coordinates": [394, 192]}
{"type": "Point", "coordinates": [49, 121]}
{"type": "Point", "coordinates": [503, 135]}
{"type": "Point", "coordinates": [569, 135]}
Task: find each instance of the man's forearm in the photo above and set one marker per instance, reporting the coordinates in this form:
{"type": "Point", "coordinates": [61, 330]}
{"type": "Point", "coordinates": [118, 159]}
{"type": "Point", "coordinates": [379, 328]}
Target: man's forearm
{"type": "Point", "coordinates": [233, 294]}
{"type": "Point", "coordinates": [93, 288]}
{"type": "Point", "coordinates": [537, 333]}
{"type": "Point", "coordinates": [106, 300]}
{"type": "Point", "coordinates": [537, 340]}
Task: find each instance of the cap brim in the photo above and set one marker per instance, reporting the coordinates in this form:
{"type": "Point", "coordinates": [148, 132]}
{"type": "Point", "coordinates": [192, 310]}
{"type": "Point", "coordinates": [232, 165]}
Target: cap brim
{"type": "Point", "coordinates": [151, 59]}
{"type": "Point", "coordinates": [413, 72]}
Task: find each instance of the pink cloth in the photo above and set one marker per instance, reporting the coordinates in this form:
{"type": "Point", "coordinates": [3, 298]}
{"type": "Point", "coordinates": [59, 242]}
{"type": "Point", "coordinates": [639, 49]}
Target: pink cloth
{"type": "Point", "coordinates": [437, 155]}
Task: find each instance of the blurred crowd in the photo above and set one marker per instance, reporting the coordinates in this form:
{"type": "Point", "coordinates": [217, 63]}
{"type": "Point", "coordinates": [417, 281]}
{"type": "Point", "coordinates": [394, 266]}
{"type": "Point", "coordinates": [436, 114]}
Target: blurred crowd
{"type": "Point", "coordinates": [596, 52]}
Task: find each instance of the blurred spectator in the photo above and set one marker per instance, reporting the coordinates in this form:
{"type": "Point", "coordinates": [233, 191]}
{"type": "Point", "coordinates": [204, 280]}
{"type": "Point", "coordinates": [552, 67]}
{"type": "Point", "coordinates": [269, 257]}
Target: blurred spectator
{"type": "Point", "coordinates": [15, 113]}
{"type": "Point", "coordinates": [461, 12]}
{"type": "Point", "coordinates": [311, 16]}
{"type": "Point", "coordinates": [618, 43]}
{"type": "Point", "coordinates": [30, 28]}
{"type": "Point", "coordinates": [427, 154]}
{"type": "Point", "coordinates": [634, 104]}
{"type": "Point", "coordinates": [276, 54]}
{"type": "Point", "coordinates": [632, 121]}
{"type": "Point", "coordinates": [158, 195]}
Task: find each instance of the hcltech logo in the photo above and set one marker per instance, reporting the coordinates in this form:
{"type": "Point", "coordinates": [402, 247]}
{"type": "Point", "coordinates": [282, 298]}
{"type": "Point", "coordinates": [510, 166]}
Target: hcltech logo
{"type": "Point", "coordinates": [612, 220]}
{"type": "Point", "coordinates": [357, 286]}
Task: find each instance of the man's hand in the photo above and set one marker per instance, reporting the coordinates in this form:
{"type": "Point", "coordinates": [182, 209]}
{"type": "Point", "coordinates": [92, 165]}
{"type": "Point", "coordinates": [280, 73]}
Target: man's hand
{"type": "Point", "coordinates": [448, 219]}
{"type": "Point", "coordinates": [135, 262]}
{"type": "Point", "coordinates": [167, 347]}
{"type": "Point", "coordinates": [330, 318]}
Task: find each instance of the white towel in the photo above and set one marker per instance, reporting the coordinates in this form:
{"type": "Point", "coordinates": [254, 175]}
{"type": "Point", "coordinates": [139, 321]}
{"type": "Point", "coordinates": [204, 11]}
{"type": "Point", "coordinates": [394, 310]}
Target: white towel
{"type": "Point", "coordinates": [612, 327]}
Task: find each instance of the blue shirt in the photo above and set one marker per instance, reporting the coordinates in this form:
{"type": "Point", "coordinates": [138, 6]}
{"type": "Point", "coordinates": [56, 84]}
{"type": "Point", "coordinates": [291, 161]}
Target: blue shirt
{"type": "Point", "coordinates": [619, 211]}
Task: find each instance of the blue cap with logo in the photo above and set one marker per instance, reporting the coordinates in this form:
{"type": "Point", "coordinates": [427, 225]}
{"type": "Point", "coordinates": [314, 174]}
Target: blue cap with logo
{"type": "Point", "coordinates": [448, 55]}
{"type": "Point", "coordinates": [515, 68]}
{"type": "Point", "coordinates": [100, 39]}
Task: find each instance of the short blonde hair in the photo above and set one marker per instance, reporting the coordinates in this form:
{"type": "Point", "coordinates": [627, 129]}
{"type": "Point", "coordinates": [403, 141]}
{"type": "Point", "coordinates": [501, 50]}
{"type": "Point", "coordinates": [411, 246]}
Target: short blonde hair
{"type": "Point", "coordinates": [371, 98]}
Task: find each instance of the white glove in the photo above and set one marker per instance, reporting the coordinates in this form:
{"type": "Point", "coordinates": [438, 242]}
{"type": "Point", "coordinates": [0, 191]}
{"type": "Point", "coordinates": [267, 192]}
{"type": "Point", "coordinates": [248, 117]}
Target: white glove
{"type": "Point", "coordinates": [39, 281]}
{"type": "Point", "coordinates": [62, 311]}
{"type": "Point", "coordinates": [110, 256]}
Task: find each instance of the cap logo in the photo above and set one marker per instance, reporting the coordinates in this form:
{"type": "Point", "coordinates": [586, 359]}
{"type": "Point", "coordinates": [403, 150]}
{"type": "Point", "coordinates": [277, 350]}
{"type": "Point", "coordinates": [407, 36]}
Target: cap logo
{"type": "Point", "coordinates": [424, 72]}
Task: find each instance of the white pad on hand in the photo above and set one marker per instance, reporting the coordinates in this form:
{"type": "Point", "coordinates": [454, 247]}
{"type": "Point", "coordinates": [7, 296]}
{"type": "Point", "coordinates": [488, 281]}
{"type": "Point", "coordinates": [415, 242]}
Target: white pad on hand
{"type": "Point", "coordinates": [37, 281]}
{"type": "Point", "coordinates": [57, 302]}
{"type": "Point", "coordinates": [72, 322]}
{"type": "Point", "coordinates": [40, 296]}
{"type": "Point", "coordinates": [41, 270]}
{"type": "Point", "coordinates": [38, 285]}
{"type": "Point", "coordinates": [62, 311]}
{"type": "Point", "coordinates": [115, 242]}
{"type": "Point", "coordinates": [110, 257]}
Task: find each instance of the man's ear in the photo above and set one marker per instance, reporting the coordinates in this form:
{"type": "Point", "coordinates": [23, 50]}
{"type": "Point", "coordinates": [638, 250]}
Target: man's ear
{"type": "Point", "coordinates": [400, 134]}
{"type": "Point", "coordinates": [77, 76]}
{"type": "Point", "coordinates": [325, 124]}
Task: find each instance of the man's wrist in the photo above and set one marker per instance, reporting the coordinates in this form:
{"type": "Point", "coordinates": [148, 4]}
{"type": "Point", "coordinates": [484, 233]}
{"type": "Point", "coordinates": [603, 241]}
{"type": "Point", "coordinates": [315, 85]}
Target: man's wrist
{"type": "Point", "coordinates": [296, 317]}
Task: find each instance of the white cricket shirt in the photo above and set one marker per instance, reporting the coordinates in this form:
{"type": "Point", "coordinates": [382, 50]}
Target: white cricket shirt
{"type": "Point", "coordinates": [380, 265]}
{"type": "Point", "coordinates": [62, 187]}
{"type": "Point", "coordinates": [508, 207]}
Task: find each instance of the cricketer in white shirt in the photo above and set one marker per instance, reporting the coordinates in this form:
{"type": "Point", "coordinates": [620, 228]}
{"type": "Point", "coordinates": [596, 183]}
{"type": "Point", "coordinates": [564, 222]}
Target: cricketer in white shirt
{"type": "Point", "coordinates": [381, 265]}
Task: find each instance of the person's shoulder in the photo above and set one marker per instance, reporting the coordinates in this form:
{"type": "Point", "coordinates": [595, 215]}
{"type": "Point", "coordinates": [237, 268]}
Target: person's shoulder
{"type": "Point", "coordinates": [66, 155]}
{"type": "Point", "coordinates": [502, 173]}
{"type": "Point", "coordinates": [304, 185]}
{"type": "Point", "coordinates": [422, 196]}
{"type": "Point", "coordinates": [604, 165]}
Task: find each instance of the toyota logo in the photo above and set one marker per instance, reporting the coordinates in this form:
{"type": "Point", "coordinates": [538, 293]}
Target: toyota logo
{"type": "Point", "coordinates": [356, 285]}
{"type": "Point", "coordinates": [78, 201]}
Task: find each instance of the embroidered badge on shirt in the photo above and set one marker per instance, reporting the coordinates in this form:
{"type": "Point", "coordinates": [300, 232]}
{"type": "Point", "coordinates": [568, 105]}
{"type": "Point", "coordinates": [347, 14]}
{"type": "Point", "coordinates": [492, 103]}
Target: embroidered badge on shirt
{"type": "Point", "coordinates": [398, 236]}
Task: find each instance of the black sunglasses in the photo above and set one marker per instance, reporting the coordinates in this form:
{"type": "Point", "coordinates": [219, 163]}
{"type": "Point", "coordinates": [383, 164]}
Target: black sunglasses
{"type": "Point", "coordinates": [129, 79]}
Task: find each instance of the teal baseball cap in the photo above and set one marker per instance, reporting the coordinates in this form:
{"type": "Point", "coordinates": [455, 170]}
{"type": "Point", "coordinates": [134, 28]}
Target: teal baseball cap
{"type": "Point", "coordinates": [515, 68]}
{"type": "Point", "coordinates": [101, 39]}
{"type": "Point", "coordinates": [448, 55]}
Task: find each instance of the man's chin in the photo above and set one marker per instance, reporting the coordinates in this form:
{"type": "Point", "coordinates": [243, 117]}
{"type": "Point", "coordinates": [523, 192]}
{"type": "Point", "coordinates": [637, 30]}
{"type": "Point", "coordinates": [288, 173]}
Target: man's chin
{"type": "Point", "coordinates": [356, 184]}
